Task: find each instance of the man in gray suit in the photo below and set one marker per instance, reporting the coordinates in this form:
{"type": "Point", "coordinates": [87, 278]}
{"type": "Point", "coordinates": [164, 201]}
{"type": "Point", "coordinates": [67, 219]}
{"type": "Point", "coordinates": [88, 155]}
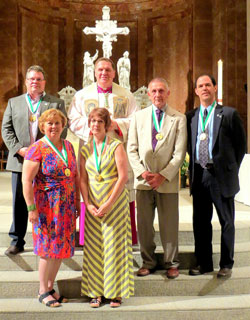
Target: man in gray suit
{"type": "Point", "coordinates": [19, 131]}
{"type": "Point", "coordinates": [156, 149]}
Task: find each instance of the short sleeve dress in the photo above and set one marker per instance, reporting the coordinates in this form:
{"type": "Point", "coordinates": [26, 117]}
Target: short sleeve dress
{"type": "Point", "coordinates": [55, 198]}
{"type": "Point", "coordinates": [108, 259]}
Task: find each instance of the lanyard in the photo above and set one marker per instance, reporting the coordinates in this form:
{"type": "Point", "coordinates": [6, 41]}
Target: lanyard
{"type": "Point", "coordinates": [63, 155]}
{"type": "Point", "coordinates": [31, 106]}
{"type": "Point", "coordinates": [155, 120]}
{"type": "Point", "coordinates": [98, 159]}
{"type": "Point", "coordinates": [205, 124]}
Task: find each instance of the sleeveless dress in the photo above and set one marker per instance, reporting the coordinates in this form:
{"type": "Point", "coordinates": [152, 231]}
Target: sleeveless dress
{"type": "Point", "coordinates": [55, 198]}
{"type": "Point", "coordinates": [108, 261]}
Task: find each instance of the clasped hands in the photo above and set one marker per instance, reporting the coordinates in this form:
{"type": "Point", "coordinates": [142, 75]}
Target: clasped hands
{"type": "Point", "coordinates": [153, 179]}
{"type": "Point", "coordinates": [99, 212]}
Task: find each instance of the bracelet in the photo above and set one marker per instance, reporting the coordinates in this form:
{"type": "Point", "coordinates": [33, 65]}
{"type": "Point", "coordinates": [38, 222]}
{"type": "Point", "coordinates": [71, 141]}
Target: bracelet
{"type": "Point", "coordinates": [31, 207]}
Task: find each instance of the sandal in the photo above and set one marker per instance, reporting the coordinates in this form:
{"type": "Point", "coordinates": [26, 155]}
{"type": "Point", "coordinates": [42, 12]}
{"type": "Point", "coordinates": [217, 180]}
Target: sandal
{"type": "Point", "coordinates": [51, 303]}
{"type": "Point", "coordinates": [95, 302]}
{"type": "Point", "coordinates": [61, 299]}
{"type": "Point", "coordinates": [115, 303]}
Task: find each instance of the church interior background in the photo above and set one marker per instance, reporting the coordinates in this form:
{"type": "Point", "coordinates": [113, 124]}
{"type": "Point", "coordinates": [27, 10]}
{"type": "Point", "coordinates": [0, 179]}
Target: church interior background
{"type": "Point", "coordinates": [174, 39]}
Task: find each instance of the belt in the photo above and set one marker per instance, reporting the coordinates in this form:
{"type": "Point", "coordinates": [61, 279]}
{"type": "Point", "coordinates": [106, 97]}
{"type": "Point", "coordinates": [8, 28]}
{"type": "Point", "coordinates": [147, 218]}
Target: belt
{"type": "Point", "coordinates": [209, 166]}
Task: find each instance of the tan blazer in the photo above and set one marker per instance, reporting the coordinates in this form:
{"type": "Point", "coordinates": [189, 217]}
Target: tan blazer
{"type": "Point", "coordinates": [169, 152]}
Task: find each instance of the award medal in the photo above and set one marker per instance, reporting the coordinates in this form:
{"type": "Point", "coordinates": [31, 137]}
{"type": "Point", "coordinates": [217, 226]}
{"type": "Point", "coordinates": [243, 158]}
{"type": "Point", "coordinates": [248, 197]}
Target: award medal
{"type": "Point", "coordinates": [159, 136]}
{"type": "Point", "coordinates": [62, 155]}
{"type": "Point", "coordinates": [204, 124]}
{"type": "Point", "coordinates": [33, 116]}
{"type": "Point", "coordinates": [98, 177]}
{"type": "Point", "coordinates": [67, 172]}
{"type": "Point", "coordinates": [157, 125]}
{"type": "Point", "coordinates": [203, 136]}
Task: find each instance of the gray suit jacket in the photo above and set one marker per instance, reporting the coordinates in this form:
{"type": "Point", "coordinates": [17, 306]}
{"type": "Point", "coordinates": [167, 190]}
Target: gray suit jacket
{"type": "Point", "coordinates": [15, 126]}
{"type": "Point", "coordinates": [169, 152]}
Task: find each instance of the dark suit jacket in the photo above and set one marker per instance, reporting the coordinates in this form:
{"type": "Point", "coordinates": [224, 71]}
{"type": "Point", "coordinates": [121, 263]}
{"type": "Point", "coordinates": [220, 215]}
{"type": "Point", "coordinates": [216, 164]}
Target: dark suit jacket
{"type": "Point", "coordinates": [228, 150]}
{"type": "Point", "coordinates": [15, 126]}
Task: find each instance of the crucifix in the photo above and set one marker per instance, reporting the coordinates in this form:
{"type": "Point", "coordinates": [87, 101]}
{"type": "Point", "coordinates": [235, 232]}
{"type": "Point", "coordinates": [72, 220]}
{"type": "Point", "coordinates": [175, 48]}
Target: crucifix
{"type": "Point", "coordinates": [106, 30]}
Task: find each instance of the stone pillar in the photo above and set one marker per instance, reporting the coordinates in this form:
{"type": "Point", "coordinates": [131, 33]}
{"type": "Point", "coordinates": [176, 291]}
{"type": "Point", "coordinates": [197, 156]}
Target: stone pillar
{"type": "Point", "coordinates": [248, 76]}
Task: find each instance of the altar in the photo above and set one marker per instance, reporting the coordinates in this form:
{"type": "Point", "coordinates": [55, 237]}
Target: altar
{"type": "Point", "coordinates": [244, 175]}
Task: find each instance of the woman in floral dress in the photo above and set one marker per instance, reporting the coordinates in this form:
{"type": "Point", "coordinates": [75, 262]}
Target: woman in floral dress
{"type": "Point", "coordinates": [51, 191]}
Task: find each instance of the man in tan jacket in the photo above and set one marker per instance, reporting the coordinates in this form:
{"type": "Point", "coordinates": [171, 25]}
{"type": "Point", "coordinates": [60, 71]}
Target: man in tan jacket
{"type": "Point", "coordinates": [156, 149]}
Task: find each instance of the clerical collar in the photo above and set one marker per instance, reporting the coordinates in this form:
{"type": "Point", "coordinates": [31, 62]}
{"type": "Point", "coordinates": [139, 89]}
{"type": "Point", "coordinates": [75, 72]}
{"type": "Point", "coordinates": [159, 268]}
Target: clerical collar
{"type": "Point", "coordinates": [38, 98]}
{"type": "Point", "coordinates": [101, 90]}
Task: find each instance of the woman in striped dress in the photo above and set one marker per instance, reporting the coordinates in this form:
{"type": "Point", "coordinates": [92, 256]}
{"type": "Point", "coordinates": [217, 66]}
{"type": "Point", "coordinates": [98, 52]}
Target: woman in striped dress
{"type": "Point", "coordinates": [107, 263]}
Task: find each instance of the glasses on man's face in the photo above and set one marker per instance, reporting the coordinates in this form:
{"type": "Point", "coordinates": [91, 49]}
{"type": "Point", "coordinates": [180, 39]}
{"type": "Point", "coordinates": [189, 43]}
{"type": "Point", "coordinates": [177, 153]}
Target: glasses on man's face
{"type": "Point", "coordinates": [35, 79]}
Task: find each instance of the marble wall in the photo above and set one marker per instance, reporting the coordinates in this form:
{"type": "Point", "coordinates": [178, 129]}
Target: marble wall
{"type": "Point", "coordinates": [175, 39]}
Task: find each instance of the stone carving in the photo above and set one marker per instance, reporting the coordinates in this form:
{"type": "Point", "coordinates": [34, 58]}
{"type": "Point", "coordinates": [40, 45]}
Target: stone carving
{"type": "Point", "coordinates": [88, 69]}
{"type": "Point", "coordinates": [123, 69]}
{"type": "Point", "coordinates": [141, 97]}
{"type": "Point", "coordinates": [106, 30]}
{"type": "Point", "coordinates": [67, 95]}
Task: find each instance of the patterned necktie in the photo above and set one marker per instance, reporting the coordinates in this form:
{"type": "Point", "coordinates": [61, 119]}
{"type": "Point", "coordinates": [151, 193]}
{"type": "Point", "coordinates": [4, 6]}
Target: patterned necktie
{"type": "Point", "coordinates": [203, 148]}
{"type": "Point", "coordinates": [159, 113]}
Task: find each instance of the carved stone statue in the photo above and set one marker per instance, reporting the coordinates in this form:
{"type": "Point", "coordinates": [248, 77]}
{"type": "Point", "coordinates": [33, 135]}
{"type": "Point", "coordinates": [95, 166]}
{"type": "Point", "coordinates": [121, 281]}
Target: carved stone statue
{"type": "Point", "coordinates": [106, 30]}
{"type": "Point", "coordinates": [88, 69]}
{"type": "Point", "coordinates": [123, 69]}
{"type": "Point", "coordinates": [141, 97]}
{"type": "Point", "coordinates": [67, 95]}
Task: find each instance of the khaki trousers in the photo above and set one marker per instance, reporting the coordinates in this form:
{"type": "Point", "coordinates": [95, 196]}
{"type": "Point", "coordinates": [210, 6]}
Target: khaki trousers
{"type": "Point", "coordinates": [168, 215]}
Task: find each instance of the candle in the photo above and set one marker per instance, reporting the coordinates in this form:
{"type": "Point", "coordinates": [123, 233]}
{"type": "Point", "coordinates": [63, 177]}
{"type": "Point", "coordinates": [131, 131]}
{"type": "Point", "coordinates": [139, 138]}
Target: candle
{"type": "Point", "coordinates": [220, 77]}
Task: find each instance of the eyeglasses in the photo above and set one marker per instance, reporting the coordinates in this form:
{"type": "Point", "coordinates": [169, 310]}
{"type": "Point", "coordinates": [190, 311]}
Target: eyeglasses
{"type": "Point", "coordinates": [96, 121]}
{"type": "Point", "coordinates": [35, 79]}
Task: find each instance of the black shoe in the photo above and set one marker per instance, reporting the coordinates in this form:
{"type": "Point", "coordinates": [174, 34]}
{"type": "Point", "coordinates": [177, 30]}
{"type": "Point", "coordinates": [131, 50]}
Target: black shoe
{"type": "Point", "coordinates": [197, 271]}
{"type": "Point", "coordinates": [13, 250]}
{"type": "Point", "coordinates": [224, 273]}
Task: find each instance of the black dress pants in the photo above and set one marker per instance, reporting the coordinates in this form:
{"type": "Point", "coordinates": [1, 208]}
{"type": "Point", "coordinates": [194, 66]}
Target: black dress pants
{"type": "Point", "coordinates": [19, 214]}
{"type": "Point", "coordinates": [206, 193]}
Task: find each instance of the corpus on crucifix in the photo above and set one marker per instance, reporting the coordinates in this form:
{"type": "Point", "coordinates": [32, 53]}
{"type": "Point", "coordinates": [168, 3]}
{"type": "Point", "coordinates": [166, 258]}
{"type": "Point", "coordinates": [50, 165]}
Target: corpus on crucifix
{"type": "Point", "coordinates": [106, 30]}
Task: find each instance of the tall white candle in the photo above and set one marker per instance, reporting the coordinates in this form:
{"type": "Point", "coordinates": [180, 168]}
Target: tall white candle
{"type": "Point", "coordinates": [220, 79]}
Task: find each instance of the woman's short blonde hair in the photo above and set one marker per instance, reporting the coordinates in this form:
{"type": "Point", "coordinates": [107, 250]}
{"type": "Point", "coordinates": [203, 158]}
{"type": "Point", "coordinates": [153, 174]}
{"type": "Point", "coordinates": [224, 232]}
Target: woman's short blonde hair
{"type": "Point", "coordinates": [50, 114]}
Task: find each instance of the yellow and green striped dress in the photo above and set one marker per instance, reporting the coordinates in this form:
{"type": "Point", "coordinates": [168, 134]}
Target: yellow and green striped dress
{"type": "Point", "coordinates": [108, 261]}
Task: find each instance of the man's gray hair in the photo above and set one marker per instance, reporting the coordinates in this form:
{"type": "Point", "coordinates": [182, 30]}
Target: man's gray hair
{"type": "Point", "coordinates": [35, 68]}
{"type": "Point", "coordinates": [158, 79]}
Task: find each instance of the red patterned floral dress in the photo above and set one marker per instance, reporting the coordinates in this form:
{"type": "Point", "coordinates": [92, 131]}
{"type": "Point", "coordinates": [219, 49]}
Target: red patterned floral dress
{"type": "Point", "coordinates": [55, 198]}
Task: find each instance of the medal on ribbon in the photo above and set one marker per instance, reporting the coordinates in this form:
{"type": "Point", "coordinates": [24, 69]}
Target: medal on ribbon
{"type": "Point", "coordinates": [98, 159]}
{"type": "Point", "coordinates": [204, 124]}
{"type": "Point", "coordinates": [62, 155]}
{"type": "Point", "coordinates": [159, 135]}
{"type": "Point", "coordinates": [33, 117]}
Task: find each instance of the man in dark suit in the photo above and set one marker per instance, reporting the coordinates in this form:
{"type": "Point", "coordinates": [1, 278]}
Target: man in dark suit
{"type": "Point", "coordinates": [19, 131]}
{"type": "Point", "coordinates": [216, 144]}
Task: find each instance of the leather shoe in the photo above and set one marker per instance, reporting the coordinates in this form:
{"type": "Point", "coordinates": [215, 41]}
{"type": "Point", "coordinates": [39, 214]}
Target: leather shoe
{"type": "Point", "coordinates": [142, 272]}
{"type": "Point", "coordinates": [172, 273]}
{"type": "Point", "coordinates": [224, 273]}
{"type": "Point", "coordinates": [13, 250]}
{"type": "Point", "coordinates": [197, 271]}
